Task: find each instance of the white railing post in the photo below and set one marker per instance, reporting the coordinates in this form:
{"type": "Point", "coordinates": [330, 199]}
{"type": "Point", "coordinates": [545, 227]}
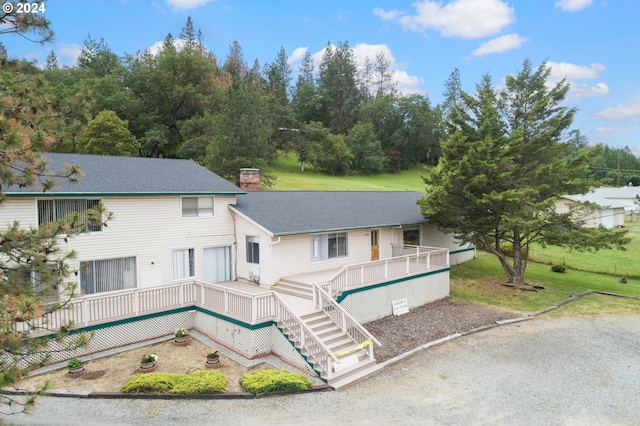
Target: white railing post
{"type": "Point", "coordinates": [407, 264]}
{"type": "Point", "coordinates": [362, 275]}
{"type": "Point", "coordinates": [181, 295]}
{"type": "Point", "coordinates": [136, 302]}
{"type": "Point", "coordinates": [386, 270]}
{"type": "Point", "coordinates": [254, 309]}
{"type": "Point", "coordinates": [85, 312]}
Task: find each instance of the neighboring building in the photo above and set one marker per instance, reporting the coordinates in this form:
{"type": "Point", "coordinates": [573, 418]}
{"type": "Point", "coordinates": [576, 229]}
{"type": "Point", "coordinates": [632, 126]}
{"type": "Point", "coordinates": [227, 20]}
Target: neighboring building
{"type": "Point", "coordinates": [594, 210]}
{"type": "Point", "coordinates": [186, 248]}
{"type": "Point", "coordinates": [626, 195]}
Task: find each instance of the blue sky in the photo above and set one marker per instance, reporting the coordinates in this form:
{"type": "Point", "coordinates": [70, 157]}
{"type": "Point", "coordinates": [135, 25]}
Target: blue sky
{"type": "Point", "coordinates": [594, 44]}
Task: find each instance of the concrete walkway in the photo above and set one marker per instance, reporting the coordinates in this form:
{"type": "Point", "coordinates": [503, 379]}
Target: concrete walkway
{"type": "Point", "coordinates": [566, 371]}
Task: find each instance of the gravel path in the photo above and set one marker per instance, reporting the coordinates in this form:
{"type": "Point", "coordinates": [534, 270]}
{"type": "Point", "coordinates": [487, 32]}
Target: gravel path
{"type": "Point", "coordinates": [546, 371]}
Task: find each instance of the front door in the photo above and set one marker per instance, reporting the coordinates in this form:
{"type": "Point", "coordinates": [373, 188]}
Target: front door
{"type": "Point", "coordinates": [375, 245]}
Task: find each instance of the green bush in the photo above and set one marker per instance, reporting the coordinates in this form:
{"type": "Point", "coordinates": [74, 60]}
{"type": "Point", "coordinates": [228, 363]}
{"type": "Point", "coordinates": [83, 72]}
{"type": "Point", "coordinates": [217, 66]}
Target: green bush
{"type": "Point", "coordinates": [201, 382]}
{"type": "Point", "coordinates": [151, 383]}
{"type": "Point", "coordinates": [558, 268]}
{"type": "Point", "coordinates": [264, 381]}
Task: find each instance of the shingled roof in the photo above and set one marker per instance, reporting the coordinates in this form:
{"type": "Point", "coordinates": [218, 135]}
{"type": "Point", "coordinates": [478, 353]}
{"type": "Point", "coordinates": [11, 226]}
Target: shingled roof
{"type": "Point", "coordinates": [302, 212]}
{"type": "Point", "coordinates": [107, 175]}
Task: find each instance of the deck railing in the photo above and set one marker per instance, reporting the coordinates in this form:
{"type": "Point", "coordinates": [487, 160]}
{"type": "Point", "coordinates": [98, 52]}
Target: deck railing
{"type": "Point", "coordinates": [406, 261]}
{"type": "Point", "coordinates": [349, 325]}
{"type": "Point", "coordinates": [93, 310]}
{"type": "Point", "coordinates": [314, 349]}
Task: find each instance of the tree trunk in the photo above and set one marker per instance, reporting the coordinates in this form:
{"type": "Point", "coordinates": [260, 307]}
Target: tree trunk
{"type": "Point", "coordinates": [518, 267]}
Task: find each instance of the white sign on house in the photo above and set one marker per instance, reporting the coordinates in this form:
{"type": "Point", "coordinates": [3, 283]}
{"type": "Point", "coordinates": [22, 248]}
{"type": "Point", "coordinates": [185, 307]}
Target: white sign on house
{"type": "Point", "coordinates": [400, 307]}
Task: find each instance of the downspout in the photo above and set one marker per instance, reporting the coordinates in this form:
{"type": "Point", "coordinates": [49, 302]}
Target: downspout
{"type": "Point", "coordinates": [271, 244]}
{"type": "Point", "coordinates": [235, 244]}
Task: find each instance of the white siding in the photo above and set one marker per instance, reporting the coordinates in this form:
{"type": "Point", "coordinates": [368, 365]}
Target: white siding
{"type": "Point", "coordinates": [147, 227]}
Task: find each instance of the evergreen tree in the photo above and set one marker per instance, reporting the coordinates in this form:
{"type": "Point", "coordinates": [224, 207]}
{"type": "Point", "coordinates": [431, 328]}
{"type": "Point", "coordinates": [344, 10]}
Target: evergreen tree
{"type": "Point", "coordinates": [502, 169]}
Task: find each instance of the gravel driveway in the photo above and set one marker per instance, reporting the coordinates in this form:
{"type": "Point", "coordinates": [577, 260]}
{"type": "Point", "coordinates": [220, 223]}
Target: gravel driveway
{"type": "Point", "coordinates": [562, 371]}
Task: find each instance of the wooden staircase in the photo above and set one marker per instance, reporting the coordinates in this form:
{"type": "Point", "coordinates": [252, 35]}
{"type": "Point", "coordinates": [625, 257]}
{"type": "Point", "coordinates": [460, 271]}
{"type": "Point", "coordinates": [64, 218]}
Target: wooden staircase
{"type": "Point", "coordinates": [344, 347]}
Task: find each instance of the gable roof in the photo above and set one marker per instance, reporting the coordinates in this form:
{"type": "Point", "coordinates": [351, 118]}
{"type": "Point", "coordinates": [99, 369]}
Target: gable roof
{"type": "Point", "coordinates": [303, 212]}
{"type": "Point", "coordinates": [623, 192]}
{"type": "Point", "coordinates": [108, 175]}
{"type": "Point", "coordinates": [593, 198]}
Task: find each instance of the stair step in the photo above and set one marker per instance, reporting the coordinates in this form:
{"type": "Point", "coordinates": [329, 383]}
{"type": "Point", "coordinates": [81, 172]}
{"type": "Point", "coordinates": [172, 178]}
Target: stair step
{"type": "Point", "coordinates": [353, 374]}
{"type": "Point", "coordinates": [297, 293]}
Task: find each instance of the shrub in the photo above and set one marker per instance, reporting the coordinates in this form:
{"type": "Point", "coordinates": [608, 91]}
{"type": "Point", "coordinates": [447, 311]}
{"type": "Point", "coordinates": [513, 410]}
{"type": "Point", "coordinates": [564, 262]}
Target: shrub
{"type": "Point", "coordinates": [151, 383]}
{"type": "Point", "coordinates": [263, 381]}
{"type": "Point", "coordinates": [201, 382]}
{"type": "Point", "coordinates": [558, 268]}
{"type": "Point", "coordinates": [74, 363]}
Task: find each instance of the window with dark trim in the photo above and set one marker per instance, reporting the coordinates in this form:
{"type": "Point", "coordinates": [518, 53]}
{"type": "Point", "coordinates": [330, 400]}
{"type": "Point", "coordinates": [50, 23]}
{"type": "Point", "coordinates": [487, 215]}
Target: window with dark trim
{"type": "Point", "coordinates": [253, 249]}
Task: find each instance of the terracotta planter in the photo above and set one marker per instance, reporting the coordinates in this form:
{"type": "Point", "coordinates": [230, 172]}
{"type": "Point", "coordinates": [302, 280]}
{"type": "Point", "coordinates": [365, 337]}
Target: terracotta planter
{"type": "Point", "coordinates": [148, 367]}
{"type": "Point", "coordinates": [212, 362]}
{"type": "Point", "coordinates": [76, 371]}
{"type": "Point", "coordinates": [180, 341]}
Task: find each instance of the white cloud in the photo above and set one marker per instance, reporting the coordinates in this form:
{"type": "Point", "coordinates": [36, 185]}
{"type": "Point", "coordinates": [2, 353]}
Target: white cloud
{"type": "Point", "coordinates": [500, 44]}
{"type": "Point", "coordinates": [560, 70]}
{"type": "Point", "coordinates": [580, 90]}
{"type": "Point", "coordinates": [297, 55]}
{"type": "Point", "coordinates": [572, 73]}
{"type": "Point", "coordinates": [628, 110]}
{"type": "Point", "coordinates": [406, 83]}
{"type": "Point", "coordinates": [390, 15]}
{"type": "Point", "coordinates": [573, 5]}
{"type": "Point", "coordinates": [70, 51]}
{"type": "Point", "coordinates": [187, 4]}
{"type": "Point", "coordinates": [459, 18]}
{"type": "Point", "coordinates": [156, 47]}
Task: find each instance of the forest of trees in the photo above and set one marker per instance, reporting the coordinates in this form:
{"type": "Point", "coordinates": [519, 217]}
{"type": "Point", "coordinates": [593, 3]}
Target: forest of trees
{"type": "Point", "coordinates": [183, 101]}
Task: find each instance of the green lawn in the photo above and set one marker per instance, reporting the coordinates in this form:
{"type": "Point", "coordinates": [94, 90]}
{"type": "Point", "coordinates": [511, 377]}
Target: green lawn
{"type": "Point", "coordinates": [289, 177]}
{"type": "Point", "coordinates": [480, 280]}
{"type": "Point", "coordinates": [613, 262]}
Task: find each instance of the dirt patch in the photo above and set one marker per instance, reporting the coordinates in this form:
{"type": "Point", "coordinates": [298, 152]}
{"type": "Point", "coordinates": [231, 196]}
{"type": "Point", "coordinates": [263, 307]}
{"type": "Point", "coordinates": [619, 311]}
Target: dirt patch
{"type": "Point", "coordinates": [110, 373]}
{"type": "Point", "coordinates": [433, 321]}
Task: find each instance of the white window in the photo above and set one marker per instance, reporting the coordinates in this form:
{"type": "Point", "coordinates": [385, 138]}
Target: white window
{"type": "Point", "coordinates": [55, 209]}
{"type": "Point", "coordinates": [184, 264]}
{"type": "Point", "coordinates": [217, 264]}
{"type": "Point", "coordinates": [197, 206]}
{"type": "Point", "coordinates": [98, 276]}
{"type": "Point", "coordinates": [328, 246]}
{"type": "Point", "coordinates": [253, 249]}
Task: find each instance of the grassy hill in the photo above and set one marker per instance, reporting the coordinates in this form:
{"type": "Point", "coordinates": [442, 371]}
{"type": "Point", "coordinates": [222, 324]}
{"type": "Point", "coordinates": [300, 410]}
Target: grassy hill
{"type": "Point", "coordinates": [289, 177]}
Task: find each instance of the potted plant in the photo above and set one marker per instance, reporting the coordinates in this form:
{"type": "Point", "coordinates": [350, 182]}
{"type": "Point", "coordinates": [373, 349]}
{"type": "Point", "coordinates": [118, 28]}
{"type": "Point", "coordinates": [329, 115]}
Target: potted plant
{"type": "Point", "coordinates": [75, 366]}
{"type": "Point", "coordinates": [181, 336]}
{"type": "Point", "coordinates": [148, 360]}
{"type": "Point", "coordinates": [213, 357]}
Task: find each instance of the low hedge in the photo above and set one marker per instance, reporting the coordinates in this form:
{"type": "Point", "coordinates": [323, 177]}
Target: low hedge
{"type": "Point", "coordinates": [264, 381]}
{"type": "Point", "coordinates": [199, 382]}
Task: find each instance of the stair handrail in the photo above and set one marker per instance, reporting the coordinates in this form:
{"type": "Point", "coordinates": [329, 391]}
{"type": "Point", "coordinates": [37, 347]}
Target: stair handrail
{"type": "Point", "coordinates": [306, 328]}
{"type": "Point", "coordinates": [325, 296]}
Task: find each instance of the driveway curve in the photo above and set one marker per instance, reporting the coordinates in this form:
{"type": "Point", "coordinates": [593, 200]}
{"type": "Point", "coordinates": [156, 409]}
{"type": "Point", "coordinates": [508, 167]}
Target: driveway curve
{"type": "Point", "coordinates": [546, 371]}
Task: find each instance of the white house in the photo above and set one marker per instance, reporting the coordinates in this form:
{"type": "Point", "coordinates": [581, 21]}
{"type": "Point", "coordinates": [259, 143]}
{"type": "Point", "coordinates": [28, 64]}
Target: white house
{"type": "Point", "coordinates": [602, 212]}
{"type": "Point", "coordinates": [626, 195]}
{"type": "Point", "coordinates": [258, 272]}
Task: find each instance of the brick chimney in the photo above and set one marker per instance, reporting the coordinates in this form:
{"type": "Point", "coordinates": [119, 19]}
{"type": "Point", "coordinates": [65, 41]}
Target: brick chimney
{"type": "Point", "coordinates": [249, 179]}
